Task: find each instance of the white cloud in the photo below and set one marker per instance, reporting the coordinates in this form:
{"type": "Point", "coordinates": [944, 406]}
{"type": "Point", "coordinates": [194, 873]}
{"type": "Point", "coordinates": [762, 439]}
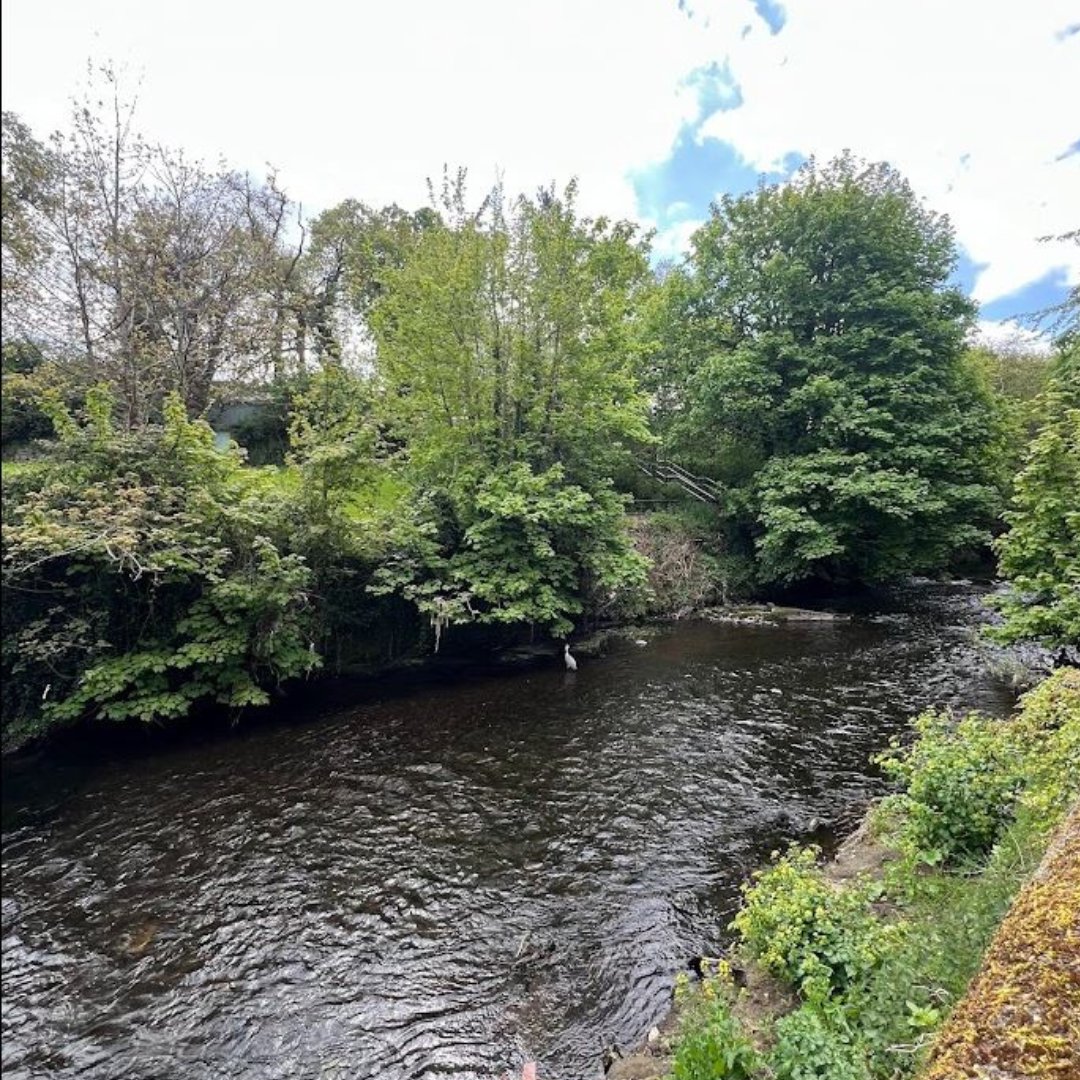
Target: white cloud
{"type": "Point", "coordinates": [972, 99]}
{"type": "Point", "coordinates": [368, 99]}
{"type": "Point", "coordinates": [673, 241]}
{"type": "Point", "coordinates": [678, 209]}
{"type": "Point", "coordinates": [1009, 334]}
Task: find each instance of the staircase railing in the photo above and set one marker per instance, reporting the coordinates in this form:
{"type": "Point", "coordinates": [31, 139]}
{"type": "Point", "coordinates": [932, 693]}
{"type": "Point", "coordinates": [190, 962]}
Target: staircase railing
{"type": "Point", "coordinates": [698, 487]}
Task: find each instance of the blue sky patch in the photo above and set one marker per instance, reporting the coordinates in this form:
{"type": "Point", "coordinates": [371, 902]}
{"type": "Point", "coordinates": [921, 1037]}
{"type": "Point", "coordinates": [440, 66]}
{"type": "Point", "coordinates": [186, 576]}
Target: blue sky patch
{"type": "Point", "coordinates": [772, 13]}
{"type": "Point", "coordinates": [686, 183]}
{"type": "Point", "coordinates": [1073, 149]}
{"type": "Point", "coordinates": [1051, 289]}
{"type": "Point", "coordinates": [716, 89]}
{"type": "Point", "coordinates": [967, 270]}
{"type": "Point", "coordinates": [698, 170]}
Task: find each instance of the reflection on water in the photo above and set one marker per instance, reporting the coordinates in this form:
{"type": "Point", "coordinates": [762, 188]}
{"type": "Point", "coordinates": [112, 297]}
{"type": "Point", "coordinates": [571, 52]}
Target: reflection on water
{"type": "Point", "coordinates": [448, 882]}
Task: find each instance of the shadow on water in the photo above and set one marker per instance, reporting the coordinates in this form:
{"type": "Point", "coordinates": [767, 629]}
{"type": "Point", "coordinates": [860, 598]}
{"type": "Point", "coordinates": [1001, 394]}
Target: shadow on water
{"type": "Point", "coordinates": [449, 881]}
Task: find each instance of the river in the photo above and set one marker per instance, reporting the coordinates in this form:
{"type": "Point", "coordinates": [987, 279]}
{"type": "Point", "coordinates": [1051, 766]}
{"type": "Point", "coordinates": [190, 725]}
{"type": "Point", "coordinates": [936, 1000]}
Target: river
{"type": "Point", "coordinates": [448, 881]}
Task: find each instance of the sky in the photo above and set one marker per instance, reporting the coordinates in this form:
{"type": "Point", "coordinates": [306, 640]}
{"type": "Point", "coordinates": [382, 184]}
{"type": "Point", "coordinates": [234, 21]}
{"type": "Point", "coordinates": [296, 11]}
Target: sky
{"type": "Point", "coordinates": [656, 106]}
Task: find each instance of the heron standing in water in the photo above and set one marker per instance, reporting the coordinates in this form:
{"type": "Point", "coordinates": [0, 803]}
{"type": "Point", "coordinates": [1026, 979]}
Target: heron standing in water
{"type": "Point", "coordinates": [571, 663]}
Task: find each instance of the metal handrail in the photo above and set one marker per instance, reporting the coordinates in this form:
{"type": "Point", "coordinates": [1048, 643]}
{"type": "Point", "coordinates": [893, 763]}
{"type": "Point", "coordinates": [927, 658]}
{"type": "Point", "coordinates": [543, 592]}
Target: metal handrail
{"type": "Point", "coordinates": [699, 487]}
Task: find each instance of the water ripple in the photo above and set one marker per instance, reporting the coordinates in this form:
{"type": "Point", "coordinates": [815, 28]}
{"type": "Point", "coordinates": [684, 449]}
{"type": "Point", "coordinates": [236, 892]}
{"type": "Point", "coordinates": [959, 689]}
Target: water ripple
{"type": "Point", "coordinates": [446, 883]}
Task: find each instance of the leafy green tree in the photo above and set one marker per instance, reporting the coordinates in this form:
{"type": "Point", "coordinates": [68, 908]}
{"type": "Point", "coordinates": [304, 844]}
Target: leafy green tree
{"type": "Point", "coordinates": [1040, 554]}
{"type": "Point", "coordinates": [23, 373]}
{"type": "Point", "coordinates": [831, 398]}
{"type": "Point", "coordinates": [344, 268]}
{"type": "Point", "coordinates": [505, 357]}
{"type": "Point", "coordinates": [26, 191]}
{"type": "Point", "coordinates": [1012, 377]}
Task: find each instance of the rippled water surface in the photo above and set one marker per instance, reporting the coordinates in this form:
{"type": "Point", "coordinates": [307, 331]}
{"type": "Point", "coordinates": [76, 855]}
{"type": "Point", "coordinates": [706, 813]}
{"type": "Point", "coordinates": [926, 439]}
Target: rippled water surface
{"type": "Point", "coordinates": [447, 882]}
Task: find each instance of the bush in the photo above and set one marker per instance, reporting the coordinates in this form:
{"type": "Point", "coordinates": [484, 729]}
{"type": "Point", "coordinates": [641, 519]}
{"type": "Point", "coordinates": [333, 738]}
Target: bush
{"type": "Point", "coordinates": [711, 1044]}
{"type": "Point", "coordinates": [803, 929]}
{"type": "Point", "coordinates": [138, 581]}
{"type": "Point", "coordinates": [876, 988]}
{"type": "Point", "coordinates": [1047, 731]}
{"type": "Point", "coordinates": [817, 1043]}
{"type": "Point", "coordinates": [963, 780]}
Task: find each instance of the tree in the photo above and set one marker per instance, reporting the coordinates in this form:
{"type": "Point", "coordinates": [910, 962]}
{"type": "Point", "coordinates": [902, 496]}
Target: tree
{"type": "Point", "coordinates": [504, 351]}
{"type": "Point", "coordinates": [139, 267]}
{"type": "Point", "coordinates": [1062, 320]}
{"type": "Point", "coordinates": [1014, 377]}
{"type": "Point", "coordinates": [352, 249]}
{"type": "Point", "coordinates": [1040, 554]}
{"type": "Point", "coordinates": [830, 398]}
{"type": "Point", "coordinates": [26, 192]}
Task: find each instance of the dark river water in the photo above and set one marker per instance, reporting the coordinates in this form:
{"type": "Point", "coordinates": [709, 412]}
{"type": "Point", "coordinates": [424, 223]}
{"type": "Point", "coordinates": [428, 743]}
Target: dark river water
{"type": "Point", "coordinates": [447, 882]}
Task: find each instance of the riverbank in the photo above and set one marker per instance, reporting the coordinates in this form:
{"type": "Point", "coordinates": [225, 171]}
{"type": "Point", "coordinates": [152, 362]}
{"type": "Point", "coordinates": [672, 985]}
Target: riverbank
{"type": "Point", "coordinates": [761, 999]}
{"type": "Point", "coordinates": [847, 971]}
{"type": "Point", "coordinates": [461, 660]}
{"type": "Point", "coordinates": [1021, 1016]}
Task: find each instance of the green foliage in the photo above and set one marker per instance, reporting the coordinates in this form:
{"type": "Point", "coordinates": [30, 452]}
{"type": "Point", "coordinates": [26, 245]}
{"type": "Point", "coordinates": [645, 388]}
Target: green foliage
{"type": "Point", "coordinates": [531, 549]}
{"type": "Point", "coordinates": [504, 354]}
{"type": "Point", "coordinates": [710, 1043]}
{"type": "Point", "coordinates": [337, 450]}
{"type": "Point", "coordinates": [963, 780]}
{"type": "Point", "coordinates": [948, 921]}
{"type": "Point", "coordinates": [1046, 732]}
{"type": "Point", "coordinates": [25, 378]}
{"type": "Point", "coordinates": [816, 1042]}
{"type": "Point", "coordinates": [241, 632]}
{"type": "Point", "coordinates": [830, 391]}
{"type": "Point", "coordinates": [803, 929]}
{"type": "Point", "coordinates": [25, 190]}
{"type": "Point", "coordinates": [877, 984]}
{"type": "Point", "coordinates": [1016, 377]}
{"type": "Point", "coordinates": [1040, 554]}
{"type": "Point", "coordinates": [137, 582]}
{"type": "Point", "coordinates": [353, 248]}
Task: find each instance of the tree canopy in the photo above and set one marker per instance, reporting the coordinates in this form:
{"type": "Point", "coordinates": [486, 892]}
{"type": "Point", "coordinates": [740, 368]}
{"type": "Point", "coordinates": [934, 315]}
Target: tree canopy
{"type": "Point", "coordinates": [830, 396]}
{"type": "Point", "coordinates": [504, 351]}
{"type": "Point", "coordinates": [1040, 554]}
{"type": "Point", "coordinates": [463, 399]}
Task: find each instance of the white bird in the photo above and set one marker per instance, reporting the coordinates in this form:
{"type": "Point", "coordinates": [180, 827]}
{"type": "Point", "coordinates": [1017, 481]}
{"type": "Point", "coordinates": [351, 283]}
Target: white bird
{"type": "Point", "coordinates": [571, 663]}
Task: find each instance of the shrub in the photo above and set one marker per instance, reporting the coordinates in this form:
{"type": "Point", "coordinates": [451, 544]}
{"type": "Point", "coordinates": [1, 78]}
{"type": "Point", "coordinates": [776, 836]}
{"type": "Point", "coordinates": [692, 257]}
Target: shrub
{"type": "Point", "coordinates": [711, 1044]}
{"type": "Point", "coordinates": [138, 581]}
{"type": "Point", "coordinates": [816, 1042]}
{"type": "Point", "coordinates": [1047, 730]}
{"type": "Point", "coordinates": [804, 930]}
{"type": "Point", "coordinates": [961, 781]}
{"type": "Point", "coordinates": [964, 780]}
